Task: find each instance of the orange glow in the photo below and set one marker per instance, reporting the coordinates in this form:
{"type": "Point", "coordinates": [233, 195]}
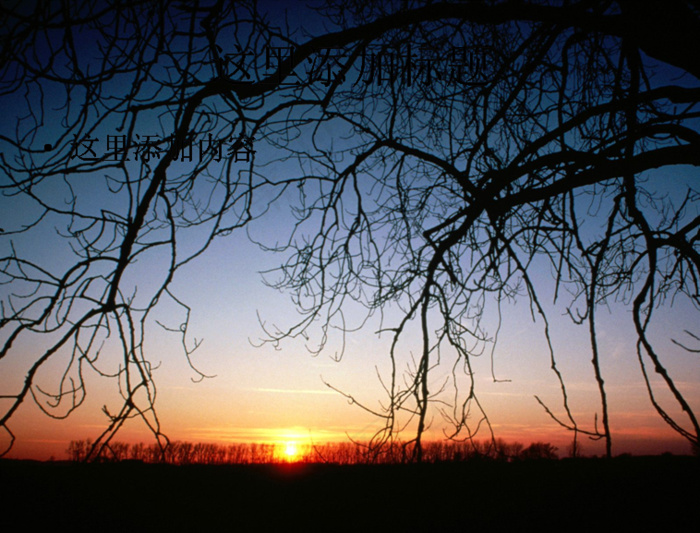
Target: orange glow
{"type": "Point", "coordinates": [289, 452]}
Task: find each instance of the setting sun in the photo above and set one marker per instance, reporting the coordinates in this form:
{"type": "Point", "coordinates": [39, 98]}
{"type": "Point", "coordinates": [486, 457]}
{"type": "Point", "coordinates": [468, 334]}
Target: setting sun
{"type": "Point", "coordinates": [290, 450]}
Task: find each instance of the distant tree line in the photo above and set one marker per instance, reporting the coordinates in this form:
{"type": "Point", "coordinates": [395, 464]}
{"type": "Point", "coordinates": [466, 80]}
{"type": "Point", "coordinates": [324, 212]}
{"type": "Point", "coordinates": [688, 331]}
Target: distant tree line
{"type": "Point", "coordinates": [184, 453]}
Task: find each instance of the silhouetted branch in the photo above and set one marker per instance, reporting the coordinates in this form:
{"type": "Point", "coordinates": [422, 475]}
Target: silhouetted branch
{"type": "Point", "coordinates": [436, 156]}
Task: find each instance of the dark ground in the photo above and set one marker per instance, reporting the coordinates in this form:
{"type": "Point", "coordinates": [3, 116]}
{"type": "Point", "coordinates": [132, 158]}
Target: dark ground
{"type": "Point", "coordinates": [593, 494]}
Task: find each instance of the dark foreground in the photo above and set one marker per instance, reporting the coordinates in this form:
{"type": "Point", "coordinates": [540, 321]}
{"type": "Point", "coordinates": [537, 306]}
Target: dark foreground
{"type": "Point", "coordinates": [620, 494]}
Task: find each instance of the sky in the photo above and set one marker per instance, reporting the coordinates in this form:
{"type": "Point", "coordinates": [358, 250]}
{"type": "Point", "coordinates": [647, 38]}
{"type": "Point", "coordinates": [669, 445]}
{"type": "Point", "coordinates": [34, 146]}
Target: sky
{"type": "Point", "coordinates": [279, 392]}
{"type": "Point", "coordinates": [262, 394]}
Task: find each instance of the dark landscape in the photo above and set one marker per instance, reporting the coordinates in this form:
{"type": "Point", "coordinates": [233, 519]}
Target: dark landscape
{"type": "Point", "coordinates": [617, 494]}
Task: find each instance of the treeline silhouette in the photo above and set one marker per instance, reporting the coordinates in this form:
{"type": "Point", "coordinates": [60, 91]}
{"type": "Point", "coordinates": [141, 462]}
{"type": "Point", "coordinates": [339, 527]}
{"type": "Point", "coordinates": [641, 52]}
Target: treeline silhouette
{"type": "Point", "coordinates": [183, 453]}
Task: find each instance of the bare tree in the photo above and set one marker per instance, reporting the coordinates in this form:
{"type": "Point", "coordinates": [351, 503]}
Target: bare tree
{"type": "Point", "coordinates": [439, 153]}
{"type": "Point", "coordinates": [121, 148]}
{"type": "Point", "coordinates": [462, 177]}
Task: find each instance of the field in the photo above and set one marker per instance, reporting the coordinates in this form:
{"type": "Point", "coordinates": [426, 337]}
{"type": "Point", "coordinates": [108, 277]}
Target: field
{"type": "Point", "coordinates": [622, 493]}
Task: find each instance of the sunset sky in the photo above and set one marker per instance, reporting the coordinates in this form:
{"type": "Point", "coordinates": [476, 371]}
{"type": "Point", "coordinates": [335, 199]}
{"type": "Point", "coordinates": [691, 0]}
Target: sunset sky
{"type": "Point", "coordinates": [267, 392]}
{"type": "Point", "coordinates": [261, 394]}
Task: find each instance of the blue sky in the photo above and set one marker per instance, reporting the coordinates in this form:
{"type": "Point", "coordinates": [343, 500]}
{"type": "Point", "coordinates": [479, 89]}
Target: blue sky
{"type": "Point", "coordinates": [278, 391]}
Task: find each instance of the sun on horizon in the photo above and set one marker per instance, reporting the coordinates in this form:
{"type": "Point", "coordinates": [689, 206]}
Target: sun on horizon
{"type": "Point", "coordinates": [289, 451]}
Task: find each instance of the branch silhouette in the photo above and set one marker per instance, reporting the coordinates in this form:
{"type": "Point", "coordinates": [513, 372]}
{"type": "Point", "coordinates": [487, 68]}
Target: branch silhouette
{"type": "Point", "coordinates": [436, 157]}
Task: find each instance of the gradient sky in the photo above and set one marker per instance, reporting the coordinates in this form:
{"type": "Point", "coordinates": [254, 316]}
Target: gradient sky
{"type": "Point", "coordinates": [264, 394]}
{"type": "Point", "coordinates": [277, 393]}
